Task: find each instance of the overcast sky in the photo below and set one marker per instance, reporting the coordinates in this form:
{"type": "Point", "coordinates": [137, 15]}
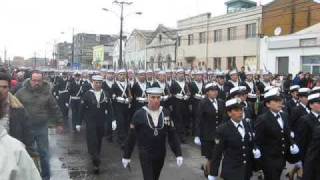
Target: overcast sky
{"type": "Point", "coordinates": [29, 26]}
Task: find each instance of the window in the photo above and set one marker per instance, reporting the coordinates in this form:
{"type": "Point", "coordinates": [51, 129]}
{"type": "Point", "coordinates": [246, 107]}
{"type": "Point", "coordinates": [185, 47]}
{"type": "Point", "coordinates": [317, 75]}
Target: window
{"type": "Point", "coordinates": [217, 63]}
{"type": "Point", "coordinates": [218, 35]}
{"type": "Point", "coordinates": [160, 38]}
{"type": "Point", "coordinates": [190, 39]}
{"type": "Point", "coordinates": [251, 30]}
{"type": "Point", "coordinates": [311, 64]}
{"type": "Point", "coordinates": [231, 63]}
{"type": "Point", "coordinates": [308, 42]}
{"type": "Point", "coordinates": [202, 37]}
{"type": "Point", "coordinates": [232, 33]}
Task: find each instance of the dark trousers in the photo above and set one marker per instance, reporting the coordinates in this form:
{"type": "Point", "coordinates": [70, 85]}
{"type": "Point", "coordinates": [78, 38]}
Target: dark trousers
{"type": "Point", "coordinates": [151, 168]}
{"type": "Point", "coordinates": [75, 107]}
{"type": "Point", "coordinates": [108, 126]}
{"type": "Point", "coordinates": [95, 133]}
{"type": "Point", "coordinates": [64, 109]}
{"type": "Point", "coordinates": [122, 116]}
{"type": "Point", "coordinates": [181, 118]}
{"type": "Point", "coordinates": [271, 172]}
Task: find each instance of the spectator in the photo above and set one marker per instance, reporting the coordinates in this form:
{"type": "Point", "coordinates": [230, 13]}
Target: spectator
{"type": "Point", "coordinates": [20, 79]}
{"type": "Point", "coordinates": [242, 74]}
{"type": "Point", "coordinates": [14, 117]}
{"type": "Point", "coordinates": [41, 106]}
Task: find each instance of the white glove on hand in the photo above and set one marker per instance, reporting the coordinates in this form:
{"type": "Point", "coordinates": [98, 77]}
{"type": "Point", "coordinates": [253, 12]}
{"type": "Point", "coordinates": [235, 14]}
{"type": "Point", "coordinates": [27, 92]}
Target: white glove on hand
{"type": "Point", "coordinates": [197, 141]}
{"type": "Point", "coordinates": [179, 161]}
{"type": "Point", "coordinates": [78, 127]}
{"type": "Point", "coordinates": [67, 105]}
{"type": "Point", "coordinates": [292, 134]}
{"type": "Point", "coordinates": [212, 177]}
{"type": "Point", "coordinates": [125, 162]}
{"type": "Point", "coordinates": [114, 125]}
{"type": "Point", "coordinates": [294, 149]}
{"type": "Point", "coordinates": [256, 153]}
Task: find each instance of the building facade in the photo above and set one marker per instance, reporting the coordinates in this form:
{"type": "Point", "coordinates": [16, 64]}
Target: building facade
{"type": "Point", "coordinates": [64, 51]}
{"type": "Point", "coordinates": [223, 42]}
{"type": "Point", "coordinates": [102, 56]}
{"type": "Point", "coordinates": [161, 51]}
{"type": "Point", "coordinates": [292, 53]}
{"type": "Point", "coordinates": [83, 47]}
{"type": "Point", "coordinates": [136, 48]}
{"type": "Point", "coordinates": [282, 17]}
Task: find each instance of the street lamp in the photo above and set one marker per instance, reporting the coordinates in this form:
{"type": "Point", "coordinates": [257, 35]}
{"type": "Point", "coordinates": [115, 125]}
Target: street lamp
{"type": "Point", "coordinates": [121, 3]}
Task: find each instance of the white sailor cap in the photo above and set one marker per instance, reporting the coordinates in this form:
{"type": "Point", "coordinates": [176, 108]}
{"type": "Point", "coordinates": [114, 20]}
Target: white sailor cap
{"type": "Point", "coordinates": [110, 71]}
{"type": "Point", "coordinates": [149, 71]}
{"type": "Point", "coordinates": [303, 92]}
{"type": "Point", "coordinates": [168, 71]}
{"type": "Point", "coordinates": [220, 74]}
{"type": "Point", "coordinates": [314, 98]}
{"type": "Point", "coordinates": [250, 73]}
{"type": "Point", "coordinates": [294, 88]}
{"type": "Point", "coordinates": [141, 71]}
{"type": "Point", "coordinates": [233, 72]}
{"type": "Point", "coordinates": [316, 89]}
{"type": "Point", "coordinates": [180, 71]}
{"type": "Point", "coordinates": [238, 90]}
{"type": "Point", "coordinates": [252, 96]}
{"type": "Point", "coordinates": [130, 71]}
{"type": "Point", "coordinates": [155, 91]}
{"type": "Point", "coordinates": [97, 78]}
{"type": "Point", "coordinates": [265, 73]}
{"type": "Point", "coordinates": [103, 70]}
{"type": "Point", "coordinates": [161, 73]}
{"type": "Point", "coordinates": [157, 70]}
{"type": "Point", "coordinates": [210, 86]}
{"type": "Point", "coordinates": [234, 103]}
{"type": "Point", "coordinates": [272, 94]}
{"type": "Point", "coordinates": [77, 73]}
{"type": "Point", "coordinates": [197, 72]}
{"type": "Point", "coordinates": [209, 73]}
{"type": "Point", "coordinates": [120, 71]}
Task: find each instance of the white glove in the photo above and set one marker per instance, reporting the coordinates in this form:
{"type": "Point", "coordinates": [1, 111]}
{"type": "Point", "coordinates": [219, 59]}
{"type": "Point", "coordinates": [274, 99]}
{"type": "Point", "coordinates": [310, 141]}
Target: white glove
{"type": "Point", "coordinates": [256, 153]}
{"type": "Point", "coordinates": [197, 141]}
{"type": "Point", "coordinates": [67, 105]}
{"type": "Point", "coordinates": [78, 127]}
{"type": "Point", "coordinates": [57, 97]}
{"type": "Point", "coordinates": [125, 162]}
{"type": "Point", "coordinates": [114, 125]}
{"type": "Point", "coordinates": [179, 161]}
{"type": "Point", "coordinates": [292, 134]}
{"type": "Point", "coordinates": [294, 149]}
{"type": "Point", "coordinates": [212, 177]}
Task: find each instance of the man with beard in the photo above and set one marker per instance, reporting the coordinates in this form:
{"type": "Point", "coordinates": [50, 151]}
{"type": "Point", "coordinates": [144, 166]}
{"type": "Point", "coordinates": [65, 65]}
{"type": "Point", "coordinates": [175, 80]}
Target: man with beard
{"type": "Point", "coordinates": [41, 107]}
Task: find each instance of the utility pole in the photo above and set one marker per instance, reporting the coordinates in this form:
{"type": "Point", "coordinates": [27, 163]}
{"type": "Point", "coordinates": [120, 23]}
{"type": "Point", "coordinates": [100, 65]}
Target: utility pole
{"type": "Point", "coordinates": [72, 50]}
{"type": "Point", "coordinates": [35, 60]}
{"type": "Point", "coordinates": [121, 4]}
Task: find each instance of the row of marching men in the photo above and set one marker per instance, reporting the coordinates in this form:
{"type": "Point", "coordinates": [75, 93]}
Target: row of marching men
{"type": "Point", "coordinates": [114, 96]}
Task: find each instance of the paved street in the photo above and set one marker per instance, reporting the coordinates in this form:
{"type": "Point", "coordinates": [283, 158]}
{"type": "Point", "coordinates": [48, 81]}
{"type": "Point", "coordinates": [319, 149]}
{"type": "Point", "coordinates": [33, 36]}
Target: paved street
{"type": "Point", "coordinates": [70, 161]}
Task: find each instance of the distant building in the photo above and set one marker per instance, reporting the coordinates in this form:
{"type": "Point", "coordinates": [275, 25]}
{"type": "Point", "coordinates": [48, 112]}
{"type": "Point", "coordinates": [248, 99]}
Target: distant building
{"type": "Point", "coordinates": [64, 51]}
{"type": "Point", "coordinates": [292, 53]}
{"type": "Point", "coordinates": [83, 47]}
{"type": "Point", "coordinates": [36, 62]}
{"type": "Point", "coordinates": [221, 42]}
{"type": "Point", "coordinates": [18, 61]}
{"type": "Point", "coordinates": [281, 17]}
{"type": "Point", "coordinates": [102, 56]}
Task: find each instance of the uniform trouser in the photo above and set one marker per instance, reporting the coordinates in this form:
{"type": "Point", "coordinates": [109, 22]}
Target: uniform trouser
{"type": "Point", "coordinates": [121, 112]}
{"type": "Point", "coordinates": [64, 109]}
{"type": "Point", "coordinates": [180, 112]}
{"type": "Point", "coordinates": [42, 147]}
{"type": "Point", "coordinates": [271, 171]}
{"type": "Point", "coordinates": [151, 168]}
{"type": "Point", "coordinates": [95, 133]}
{"type": "Point", "coordinates": [195, 105]}
{"type": "Point", "coordinates": [75, 107]}
{"type": "Point", "coordinates": [108, 126]}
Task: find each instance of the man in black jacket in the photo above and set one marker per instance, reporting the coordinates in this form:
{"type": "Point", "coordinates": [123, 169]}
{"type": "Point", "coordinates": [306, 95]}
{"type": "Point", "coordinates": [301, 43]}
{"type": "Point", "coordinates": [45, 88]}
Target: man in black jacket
{"type": "Point", "coordinates": [273, 137]}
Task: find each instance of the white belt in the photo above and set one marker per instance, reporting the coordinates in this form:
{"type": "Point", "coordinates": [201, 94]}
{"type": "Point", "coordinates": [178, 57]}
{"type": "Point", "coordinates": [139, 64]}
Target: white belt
{"type": "Point", "coordinates": [122, 100]}
{"type": "Point", "coordinates": [182, 97]}
{"type": "Point", "coordinates": [164, 98]}
{"type": "Point", "coordinates": [75, 97]}
{"type": "Point", "coordinates": [62, 92]}
{"type": "Point", "coordinates": [198, 96]}
{"type": "Point", "coordinates": [141, 99]}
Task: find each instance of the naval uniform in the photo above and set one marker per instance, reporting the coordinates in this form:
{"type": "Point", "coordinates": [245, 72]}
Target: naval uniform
{"type": "Point", "coordinates": [107, 87]}
{"type": "Point", "coordinates": [290, 104]}
{"type": "Point", "coordinates": [305, 131]}
{"type": "Point", "coordinates": [180, 104]}
{"type": "Point", "coordinates": [197, 92]}
{"type": "Point", "coordinates": [233, 142]}
{"type": "Point", "coordinates": [121, 107]}
{"type": "Point", "coordinates": [63, 97]}
{"type": "Point", "coordinates": [94, 108]}
{"type": "Point", "coordinates": [75, 90]}
{"type": "Point", "coordinates": [209, 117]}
{"type": "Point", "coordinates": [311, 169]}
{"type": "Point", "coordinates": [294, 120]}
{"type": "Point", "coordinates": [222, 92]}
{"type": "Point", "coordinates": [151, 136]}
{"type": "Point", "coordinates": [274, 141]}
{"type": "Point", "coordinates": [165, 98]}
{"type": "Point", "coordinates": [229, 85]}
{"type": "Point", "coordinates": [139, 95]}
